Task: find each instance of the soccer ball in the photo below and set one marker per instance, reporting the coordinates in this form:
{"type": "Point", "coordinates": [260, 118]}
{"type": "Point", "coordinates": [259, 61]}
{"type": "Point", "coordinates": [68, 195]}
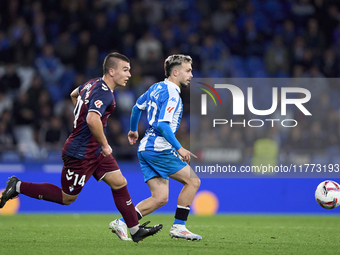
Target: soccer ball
{"type": "Point", "coordinates": [327, 194]}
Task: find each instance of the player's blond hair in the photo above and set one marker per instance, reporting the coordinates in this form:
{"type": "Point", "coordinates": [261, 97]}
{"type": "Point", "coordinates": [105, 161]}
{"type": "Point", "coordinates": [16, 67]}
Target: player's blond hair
{"type": "Point", "coordinates": [175, 60]}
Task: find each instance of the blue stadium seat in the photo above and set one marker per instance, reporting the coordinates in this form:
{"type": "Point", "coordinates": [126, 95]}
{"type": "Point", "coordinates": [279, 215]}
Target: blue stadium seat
{"type": "Point", "coordinates": [237, 62]}
{"type": "Point", "coordinates": [259, 74]}
{"type": "Point", "coordinates": [254, 64]}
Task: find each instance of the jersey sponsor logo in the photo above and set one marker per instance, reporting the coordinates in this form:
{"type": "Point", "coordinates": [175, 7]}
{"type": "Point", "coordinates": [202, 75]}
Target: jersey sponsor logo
{"type": "Point", "coordinates": [169, 109]}
{"type": "Point", "coordinates": [173, 99]}
{"type": "Point", "coordinates": [104, 87]}
{"type": "Point", "coordinates": [98, 103]}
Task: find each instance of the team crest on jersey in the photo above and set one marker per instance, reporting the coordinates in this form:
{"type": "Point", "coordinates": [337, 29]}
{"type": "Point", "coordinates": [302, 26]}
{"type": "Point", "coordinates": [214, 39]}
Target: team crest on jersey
{"type": "Point", "coordinates": [169, 109]}
{"type": "Point", "coordinates": [98, 103]}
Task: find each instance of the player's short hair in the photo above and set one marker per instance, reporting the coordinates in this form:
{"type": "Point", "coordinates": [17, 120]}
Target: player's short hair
{"type": "Point", "coordinates": [112, 60]}
{"type": "Point", "coordinates": [175, 60]}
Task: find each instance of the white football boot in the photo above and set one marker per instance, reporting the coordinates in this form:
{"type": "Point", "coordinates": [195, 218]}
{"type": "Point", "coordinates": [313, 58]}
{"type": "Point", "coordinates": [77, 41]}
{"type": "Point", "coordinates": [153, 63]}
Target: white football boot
{"type": "Point", "coordinates": [180, 231]}
{"type": "Point", "coordinates": [120, 229]}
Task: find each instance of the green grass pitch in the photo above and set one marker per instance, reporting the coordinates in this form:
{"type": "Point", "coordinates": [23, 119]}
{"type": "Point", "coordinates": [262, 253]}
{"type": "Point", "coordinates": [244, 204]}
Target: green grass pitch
{"type": "Point", "coordinates": [222, 234]}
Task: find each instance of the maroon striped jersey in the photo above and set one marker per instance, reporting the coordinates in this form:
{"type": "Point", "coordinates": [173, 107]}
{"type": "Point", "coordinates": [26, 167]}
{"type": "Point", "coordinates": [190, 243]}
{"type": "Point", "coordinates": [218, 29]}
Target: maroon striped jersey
{"type": "Point", "coordinates": [94, 96]}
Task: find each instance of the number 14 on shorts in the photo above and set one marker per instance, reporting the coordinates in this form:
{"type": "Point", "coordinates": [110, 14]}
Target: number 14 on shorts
{"type": "Point", "coordinates": [71, 174]}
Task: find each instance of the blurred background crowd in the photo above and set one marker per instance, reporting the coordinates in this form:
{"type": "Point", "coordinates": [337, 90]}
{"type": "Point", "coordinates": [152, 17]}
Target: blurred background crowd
{"type": "Point", "coordinates": [48, 48]}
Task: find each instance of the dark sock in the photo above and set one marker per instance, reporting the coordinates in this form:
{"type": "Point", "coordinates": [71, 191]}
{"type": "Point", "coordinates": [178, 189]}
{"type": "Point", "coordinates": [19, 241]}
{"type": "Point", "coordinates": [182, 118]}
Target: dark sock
{"type": "Point", "coordinates": [44, 191]}
{"type": "Point", "coordinates": [125, 206]}
{"type": "Point", "coordinates": [182, 213]}
{"type": "Point", "coordinates": [139, 216]}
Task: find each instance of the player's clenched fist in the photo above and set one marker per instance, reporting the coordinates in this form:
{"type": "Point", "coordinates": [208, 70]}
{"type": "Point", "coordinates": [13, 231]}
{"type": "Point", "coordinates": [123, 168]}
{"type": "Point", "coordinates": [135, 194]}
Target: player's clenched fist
{"type": "Point", "coordinates": [106, 150]}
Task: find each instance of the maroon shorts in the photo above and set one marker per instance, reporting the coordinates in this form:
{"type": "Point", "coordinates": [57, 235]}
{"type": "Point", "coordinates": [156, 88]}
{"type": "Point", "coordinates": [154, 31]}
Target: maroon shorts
{"type": "Point", "coordinates": [76, 172]}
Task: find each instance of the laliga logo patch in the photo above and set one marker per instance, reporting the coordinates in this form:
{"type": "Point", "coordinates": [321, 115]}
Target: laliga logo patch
{"type": "Point", "coordinates": [98, 103]}
{"type": "Point", "coordinates": [71, 188]}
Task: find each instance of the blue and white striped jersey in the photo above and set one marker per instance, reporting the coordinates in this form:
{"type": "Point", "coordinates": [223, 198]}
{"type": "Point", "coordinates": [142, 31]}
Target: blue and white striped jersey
{"type": "Point", "coordinates": [163, 103]}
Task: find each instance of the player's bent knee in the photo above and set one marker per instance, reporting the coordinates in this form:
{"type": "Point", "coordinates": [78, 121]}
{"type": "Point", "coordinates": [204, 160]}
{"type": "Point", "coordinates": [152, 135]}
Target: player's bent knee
{"type": "Point", "coordinates": [161, 201]}
{"type": "Point", "coordinates": [121, 183]}
{"type": "Point", "coordinates": [68, 201]}
{"type": "Point", "coordinates": [195, 183]}
{"type": "Point", "coordinates": [115, 180]}
{"type": "Point", "coordinates": [125, 181]}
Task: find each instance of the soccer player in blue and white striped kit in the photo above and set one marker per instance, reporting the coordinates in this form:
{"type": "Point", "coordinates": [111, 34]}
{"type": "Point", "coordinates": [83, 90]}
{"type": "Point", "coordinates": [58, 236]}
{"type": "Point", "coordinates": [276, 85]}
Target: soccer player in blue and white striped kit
{"type": "Point", "coordinates": [160, 154]}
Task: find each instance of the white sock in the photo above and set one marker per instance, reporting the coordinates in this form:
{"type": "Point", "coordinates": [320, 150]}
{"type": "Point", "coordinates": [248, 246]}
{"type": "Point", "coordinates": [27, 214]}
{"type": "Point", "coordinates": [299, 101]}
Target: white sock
{"type": "Point", "coordinates": [17, 186]}
{"type": "Point", "coordinates": [134, 229]}
{"type": "Point", "coordinates": [183, 207]}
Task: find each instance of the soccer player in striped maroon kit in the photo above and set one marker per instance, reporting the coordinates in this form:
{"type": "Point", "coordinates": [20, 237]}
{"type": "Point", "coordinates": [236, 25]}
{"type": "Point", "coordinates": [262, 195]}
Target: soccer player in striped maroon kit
{"type": "Point", "coordinates": [87, 153]}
